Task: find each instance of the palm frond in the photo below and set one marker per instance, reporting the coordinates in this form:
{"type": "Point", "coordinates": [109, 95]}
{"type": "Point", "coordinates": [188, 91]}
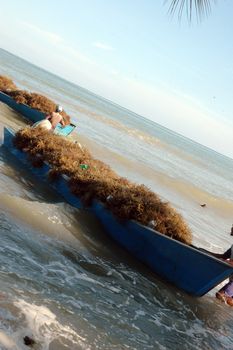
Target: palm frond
{"type": "Point", "coordinates": [202, 7]}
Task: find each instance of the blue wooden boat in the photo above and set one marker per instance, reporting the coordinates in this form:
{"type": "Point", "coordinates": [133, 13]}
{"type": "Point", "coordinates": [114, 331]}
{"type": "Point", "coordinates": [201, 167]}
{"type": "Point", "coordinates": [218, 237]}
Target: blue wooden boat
{"type": "Point", "coordinates": [186, 267]}
{"type": "Point", "coordinates": [33, 114]}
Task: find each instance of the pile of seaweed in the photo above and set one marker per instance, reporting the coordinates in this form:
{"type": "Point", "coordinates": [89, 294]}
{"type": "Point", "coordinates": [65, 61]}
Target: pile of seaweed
{"type": "Point", "coordinates": [6, 84]}
{"type": "Point", "coordinates": [90, 179]}
{"type": "Point", "coordinates": [32, 99]}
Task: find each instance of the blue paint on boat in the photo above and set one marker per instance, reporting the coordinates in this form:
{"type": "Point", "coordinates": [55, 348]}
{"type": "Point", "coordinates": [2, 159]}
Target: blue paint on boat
{"type": "Point", "coordinates": [186, 267]}
{"type": "Point", "coordinates": [34, 115]}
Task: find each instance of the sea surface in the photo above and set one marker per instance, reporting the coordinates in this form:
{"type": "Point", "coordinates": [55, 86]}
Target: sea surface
{"type": "Point", "coordinates": [63, 282]}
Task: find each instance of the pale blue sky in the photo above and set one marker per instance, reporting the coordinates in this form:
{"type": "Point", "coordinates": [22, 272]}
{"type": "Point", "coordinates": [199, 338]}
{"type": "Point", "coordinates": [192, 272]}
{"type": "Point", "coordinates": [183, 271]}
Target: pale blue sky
{"type": "Point", "coordinates": [133, 53]}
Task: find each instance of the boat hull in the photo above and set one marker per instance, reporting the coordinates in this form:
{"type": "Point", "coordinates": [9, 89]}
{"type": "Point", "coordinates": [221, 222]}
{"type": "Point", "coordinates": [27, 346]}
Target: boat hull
{"type": "Point", "coordinates": [186, 267]}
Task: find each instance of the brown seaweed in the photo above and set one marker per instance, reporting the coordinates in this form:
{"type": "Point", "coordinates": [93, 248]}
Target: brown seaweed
{"type": "Point", "coordinates": [126, 200]}
{"type": "Point", "coordinates": [6, 84]}
{"type": "Point", "coordinates": [31, 99]}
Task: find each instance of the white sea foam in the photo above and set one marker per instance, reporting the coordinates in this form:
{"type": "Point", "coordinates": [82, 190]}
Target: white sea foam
{"type": "Point", "coordinates": [42, 325]}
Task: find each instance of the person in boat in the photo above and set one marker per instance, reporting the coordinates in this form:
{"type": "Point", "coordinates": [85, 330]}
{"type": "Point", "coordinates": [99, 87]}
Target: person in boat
{"type": "Point", "coordinates": [55, 118]}
{"type": "Point", "coordinates": [52, 120]}
{"type": "Point", "coordinates": [226, 292]}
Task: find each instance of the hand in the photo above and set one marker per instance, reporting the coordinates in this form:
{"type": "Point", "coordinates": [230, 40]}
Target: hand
{"type": "Point", "coordinates": [230, 262]}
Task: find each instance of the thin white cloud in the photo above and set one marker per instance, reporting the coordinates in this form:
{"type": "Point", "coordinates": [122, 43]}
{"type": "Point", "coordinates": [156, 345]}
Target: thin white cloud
{"type": "Point", "coordinates": [50, 36]}
{"type": "Point", "coordinates": [103, 46]}
{"type": "Point", "coordinates": [59, 43]}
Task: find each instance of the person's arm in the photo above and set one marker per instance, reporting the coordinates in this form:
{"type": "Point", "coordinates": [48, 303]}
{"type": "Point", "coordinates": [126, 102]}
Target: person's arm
{"type": "Point", "coordinates": [224, 256]}
{"type": "Point", "coordinates": [227, 254]}
{"type": "Point", "coordinates": [62, 122]}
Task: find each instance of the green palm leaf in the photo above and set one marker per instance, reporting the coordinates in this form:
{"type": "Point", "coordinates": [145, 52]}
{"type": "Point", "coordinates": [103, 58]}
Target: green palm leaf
{"type": "Point", "coordinates": [201, 7]}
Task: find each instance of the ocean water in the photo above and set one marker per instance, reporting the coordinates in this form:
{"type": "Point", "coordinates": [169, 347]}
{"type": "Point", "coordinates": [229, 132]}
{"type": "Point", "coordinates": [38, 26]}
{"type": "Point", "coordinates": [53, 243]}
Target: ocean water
{"type": "Point", "coordinates": [67, 285]}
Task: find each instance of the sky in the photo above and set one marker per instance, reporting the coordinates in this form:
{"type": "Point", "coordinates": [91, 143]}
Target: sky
{"type": "Point", "coordinates": [134, 53]}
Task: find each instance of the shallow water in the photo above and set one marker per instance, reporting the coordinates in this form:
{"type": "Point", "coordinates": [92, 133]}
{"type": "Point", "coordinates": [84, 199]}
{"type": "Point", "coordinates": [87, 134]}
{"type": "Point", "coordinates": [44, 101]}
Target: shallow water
{"type": "Point", "coordinates": [63, 281]}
